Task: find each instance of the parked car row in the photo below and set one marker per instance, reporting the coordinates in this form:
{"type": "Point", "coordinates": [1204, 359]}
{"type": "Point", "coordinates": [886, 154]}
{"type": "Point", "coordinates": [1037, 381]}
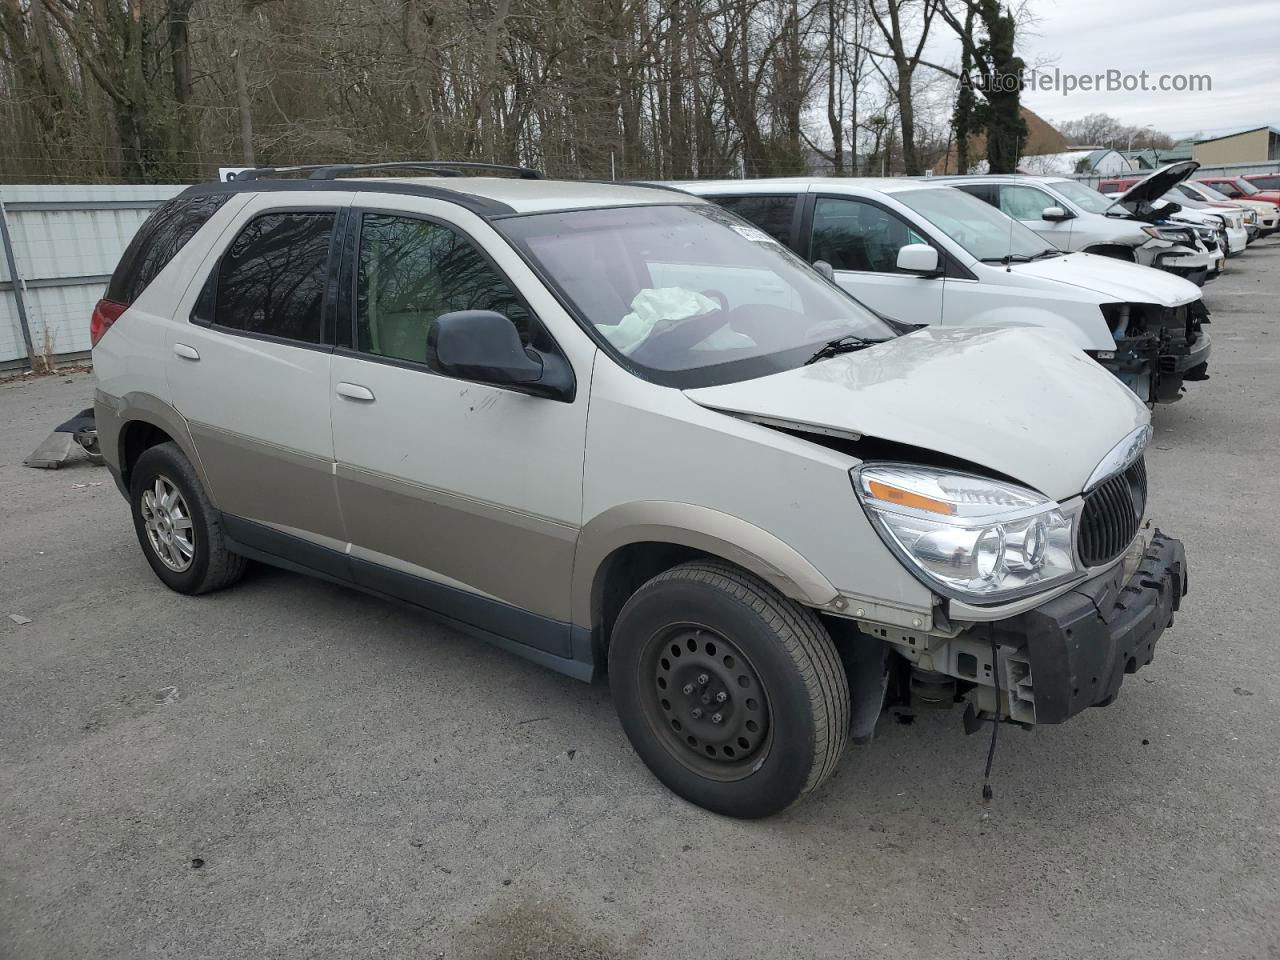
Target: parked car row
{"type": "Point", "coordinates": [630, 431]}
{"type": "Point", "coordinates": [922, 251]}
{"type": "Point", "coordinates": [1244, 217]}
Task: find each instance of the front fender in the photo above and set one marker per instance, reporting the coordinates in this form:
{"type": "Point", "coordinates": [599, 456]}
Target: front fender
{"type": "Point", "coordinates": [697, 527]}
{"type": "Point", "coordinates": [1086, 331]}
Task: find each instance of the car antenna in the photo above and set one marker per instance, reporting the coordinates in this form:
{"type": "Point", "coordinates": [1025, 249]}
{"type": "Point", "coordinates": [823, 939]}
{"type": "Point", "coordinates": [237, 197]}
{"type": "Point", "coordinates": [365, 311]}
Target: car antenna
{"type": "Point", "coordinates": [1008, 257]}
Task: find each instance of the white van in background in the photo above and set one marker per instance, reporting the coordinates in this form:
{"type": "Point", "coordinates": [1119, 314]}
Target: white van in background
{"type": "Point", "coordinates": [923, 253]}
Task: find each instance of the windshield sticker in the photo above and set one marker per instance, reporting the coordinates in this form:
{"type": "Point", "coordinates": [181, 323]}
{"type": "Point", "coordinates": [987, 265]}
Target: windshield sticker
{"type": "Point", "coordinates": [752, 233]}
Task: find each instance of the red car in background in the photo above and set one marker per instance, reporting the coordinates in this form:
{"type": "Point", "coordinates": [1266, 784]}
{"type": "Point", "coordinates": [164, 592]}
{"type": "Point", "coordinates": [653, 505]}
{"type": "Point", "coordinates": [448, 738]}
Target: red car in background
{"type": "Point", "coordinates": [1239, 188]}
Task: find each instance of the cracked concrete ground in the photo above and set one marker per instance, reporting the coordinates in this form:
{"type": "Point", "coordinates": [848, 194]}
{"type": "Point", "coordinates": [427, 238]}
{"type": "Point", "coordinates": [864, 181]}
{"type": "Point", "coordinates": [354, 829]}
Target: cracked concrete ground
{"type": "Point", "coordinates": [291, 769]}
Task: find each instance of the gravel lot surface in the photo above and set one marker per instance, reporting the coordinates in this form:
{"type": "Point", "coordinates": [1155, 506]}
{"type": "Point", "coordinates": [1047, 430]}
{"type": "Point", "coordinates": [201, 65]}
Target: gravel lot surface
{"type": "Point", "coordinates": [291, 769]}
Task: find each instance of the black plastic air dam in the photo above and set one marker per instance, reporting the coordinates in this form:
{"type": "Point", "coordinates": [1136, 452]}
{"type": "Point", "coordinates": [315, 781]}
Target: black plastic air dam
{"type": "Point", "coordinates": [1082, 643]}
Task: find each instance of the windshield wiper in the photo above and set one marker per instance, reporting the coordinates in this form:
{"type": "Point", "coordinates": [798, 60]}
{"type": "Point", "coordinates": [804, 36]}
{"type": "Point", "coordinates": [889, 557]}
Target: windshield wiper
{"type": "Point", "coordinates": [846, 344]}
{"type": "Point", "coordinates": [1008, 258]}
{"type": "Point", "coordinates": [1047, 252]}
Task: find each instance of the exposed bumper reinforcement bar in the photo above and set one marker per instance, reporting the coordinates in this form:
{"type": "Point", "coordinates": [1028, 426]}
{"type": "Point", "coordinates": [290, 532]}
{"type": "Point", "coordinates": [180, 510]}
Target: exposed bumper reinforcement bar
{"type": "Point", "coordinates": [1081, 644]}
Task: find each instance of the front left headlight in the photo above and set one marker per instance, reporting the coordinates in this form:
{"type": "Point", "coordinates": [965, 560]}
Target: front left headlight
{"type": "Point", "coordinates": [968, 537]}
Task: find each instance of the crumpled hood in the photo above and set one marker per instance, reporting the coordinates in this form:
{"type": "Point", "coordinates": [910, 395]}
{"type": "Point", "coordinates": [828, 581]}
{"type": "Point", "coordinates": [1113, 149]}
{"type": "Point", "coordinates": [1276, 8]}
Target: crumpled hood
{"type": "Point", "coordinates": [1118, 281]}
{"type": "Point", "coordinates": [1022, 402]}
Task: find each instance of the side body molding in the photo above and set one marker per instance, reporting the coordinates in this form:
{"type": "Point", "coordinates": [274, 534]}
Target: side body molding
{"type": "Point", "coordinates": [697, 527]}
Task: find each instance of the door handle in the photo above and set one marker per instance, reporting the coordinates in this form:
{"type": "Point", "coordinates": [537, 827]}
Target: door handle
{"type": "Point", "coordinates": [185, 352]}
{"type": "Point", "coordinates": [354, 391]}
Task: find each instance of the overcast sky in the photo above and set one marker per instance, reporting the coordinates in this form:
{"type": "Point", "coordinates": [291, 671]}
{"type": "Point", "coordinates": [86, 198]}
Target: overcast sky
{"type": "Point", "coordinates": [1235, 42]}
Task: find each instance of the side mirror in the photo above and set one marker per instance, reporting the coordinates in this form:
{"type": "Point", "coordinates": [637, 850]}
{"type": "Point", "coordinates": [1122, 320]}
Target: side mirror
{"type": "Point", "coordinates": [1055, 214]}
{"type": "Point", "coordinates": [485, 346]}
{"type": "Point", "coordinates": [918, 258]}
{"type": "Point", "coordinates": [824, 268]}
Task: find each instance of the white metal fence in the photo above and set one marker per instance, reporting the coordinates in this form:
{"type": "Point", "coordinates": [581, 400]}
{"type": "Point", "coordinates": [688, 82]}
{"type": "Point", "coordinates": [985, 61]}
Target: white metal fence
{"type": "Point", "coordinates": [58, 246]}
{"type": "Point", "coordinates": [1223, 170]}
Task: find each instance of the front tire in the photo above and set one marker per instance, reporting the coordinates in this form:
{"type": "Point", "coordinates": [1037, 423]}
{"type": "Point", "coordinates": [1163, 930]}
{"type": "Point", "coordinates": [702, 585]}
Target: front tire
{"type": "Point", "coordinates": [178, 528]}
{"type": "Point", "coordinates": [732, 695]}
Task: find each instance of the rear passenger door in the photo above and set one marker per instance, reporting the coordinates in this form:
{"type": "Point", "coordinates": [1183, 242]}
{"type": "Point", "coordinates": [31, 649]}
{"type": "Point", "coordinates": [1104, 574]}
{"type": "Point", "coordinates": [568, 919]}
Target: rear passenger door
{"type": "Point", "coordinates": [861, 241]}
{"type": "Point", "coordinates": [464, 497]}
{"type": "Point", "coordinates": [249, 370]}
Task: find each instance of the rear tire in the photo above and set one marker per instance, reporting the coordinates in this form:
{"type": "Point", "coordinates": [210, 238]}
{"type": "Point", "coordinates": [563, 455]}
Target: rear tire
{"type": "Point", "coordinates": [178, 528]}
{"type": "Point", "coordinates": [732, 695]}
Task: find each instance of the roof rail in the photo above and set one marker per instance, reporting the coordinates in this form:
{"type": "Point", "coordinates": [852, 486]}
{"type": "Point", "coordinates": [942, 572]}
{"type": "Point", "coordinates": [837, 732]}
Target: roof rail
{"type": "Point", "coordinates": [331, 171]}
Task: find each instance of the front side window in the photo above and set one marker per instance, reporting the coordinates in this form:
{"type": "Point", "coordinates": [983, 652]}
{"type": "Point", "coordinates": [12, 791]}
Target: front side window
{"type": "Point", "coordinates": [1086, 198]}
{"type": "Point", "coordinates": [1227, 189]}
{"type": "Point", "coordinates": [773, 215]}
{"type": "Point", "coordinates": [1210, 193]}
{"type": "Point", "coordinates": [411, 272]}
{"type": "Point", "coordinates": [855, 235]}
{"type": "Point", "coordinates": [1024, 203]}
{"type": "Point", "coordinates": [272, 278]}
{"type": "Point", "coordinates": [984, 232]}
{"type": "Point", "coordinates": [688, 295]}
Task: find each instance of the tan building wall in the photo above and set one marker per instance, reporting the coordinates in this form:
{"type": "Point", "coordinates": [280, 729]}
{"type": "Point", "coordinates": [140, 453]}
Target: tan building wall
{"type": "Point", "coordinates": [1242, 148]}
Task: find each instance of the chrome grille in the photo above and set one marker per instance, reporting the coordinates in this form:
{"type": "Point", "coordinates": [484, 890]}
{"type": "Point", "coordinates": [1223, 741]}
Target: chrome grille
{"type": "Point", "coordinates": [1112, 514]}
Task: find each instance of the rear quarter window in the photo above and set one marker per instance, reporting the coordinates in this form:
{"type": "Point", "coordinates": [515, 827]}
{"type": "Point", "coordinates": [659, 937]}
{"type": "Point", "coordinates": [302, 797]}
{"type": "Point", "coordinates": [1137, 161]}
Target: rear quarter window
{"type": "Point", "coordinates": [157, 242]}
{"type": "Point", "coordinates": [772, 214]}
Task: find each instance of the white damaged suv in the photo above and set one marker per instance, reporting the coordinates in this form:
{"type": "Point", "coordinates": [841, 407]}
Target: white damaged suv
{"type": "Point", "coordinates": [617, 429]}
{"type": "Point", "coordinates": [919, 249]}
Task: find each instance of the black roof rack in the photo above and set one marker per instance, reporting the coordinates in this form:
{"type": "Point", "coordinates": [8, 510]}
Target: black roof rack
{"type": "Point", "coordinates": [332, 171]}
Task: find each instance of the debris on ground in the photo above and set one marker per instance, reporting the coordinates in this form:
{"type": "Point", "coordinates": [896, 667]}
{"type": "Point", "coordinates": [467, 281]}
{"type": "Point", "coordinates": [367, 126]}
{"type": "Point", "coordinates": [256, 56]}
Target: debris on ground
{"type": "Point", "coordinates": [80, 431]}
{"type": "Point", "coordinates": [19, 619]}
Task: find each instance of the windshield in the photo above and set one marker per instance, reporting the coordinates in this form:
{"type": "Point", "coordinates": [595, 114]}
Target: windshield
{"type": "Point", "coordinates": [983, 231]}
{"type": "Point", "coordinates": [1086, 198]}
{"type": "Point", "coordinates": [1245, 187]}
{"type": "Point", "coordinates": [689, 295]}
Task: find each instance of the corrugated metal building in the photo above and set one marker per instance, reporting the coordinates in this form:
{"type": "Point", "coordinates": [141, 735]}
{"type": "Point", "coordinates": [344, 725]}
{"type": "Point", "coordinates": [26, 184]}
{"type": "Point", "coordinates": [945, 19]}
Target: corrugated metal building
{"type": "Point", "coordinates": [62, 242]}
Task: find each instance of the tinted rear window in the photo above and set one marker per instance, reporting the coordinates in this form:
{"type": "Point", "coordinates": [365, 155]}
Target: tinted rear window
{"type": "Point", "coordinates": [158, 241]}
{"type": "Point", "coordinates": [272, 278]}
{"type": "Point", "coordinates": [773, 215]}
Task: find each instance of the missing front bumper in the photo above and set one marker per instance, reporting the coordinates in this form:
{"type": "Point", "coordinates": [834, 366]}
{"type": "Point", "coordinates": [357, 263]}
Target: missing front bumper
{"type": "Point", "coordinates": [1078, 647]}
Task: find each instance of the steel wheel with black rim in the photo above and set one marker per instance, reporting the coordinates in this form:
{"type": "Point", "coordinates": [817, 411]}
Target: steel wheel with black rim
{"type": "Point", "coordinates": [733, 695]}
{"type": "Point", "coordinates": [178, 528]}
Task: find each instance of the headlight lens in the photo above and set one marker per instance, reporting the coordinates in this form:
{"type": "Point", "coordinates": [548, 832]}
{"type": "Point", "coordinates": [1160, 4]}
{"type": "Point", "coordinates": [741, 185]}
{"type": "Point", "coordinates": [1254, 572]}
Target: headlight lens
{"type": "Point", "coordinates": [968, 537]}
{"type": "Point", "coordinates": [1176, 234]}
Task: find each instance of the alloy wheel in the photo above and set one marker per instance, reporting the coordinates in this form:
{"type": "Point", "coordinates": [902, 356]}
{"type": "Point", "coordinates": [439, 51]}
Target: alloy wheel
{"type": "Point", "coordinates": [167, 520]}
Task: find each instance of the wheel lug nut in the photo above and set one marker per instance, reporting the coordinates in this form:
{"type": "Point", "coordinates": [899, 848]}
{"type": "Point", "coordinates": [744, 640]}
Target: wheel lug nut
{"type": "Point", "coordinates": [688, 688]}
{"type": "Point", "coordinates": [697, 713]}
{"type": "Point", "coordinates": [721, 697]}
{"type": "Point", "coordinates": [716, 718]}
{"type": "Point", "coordinates": [703, 678]}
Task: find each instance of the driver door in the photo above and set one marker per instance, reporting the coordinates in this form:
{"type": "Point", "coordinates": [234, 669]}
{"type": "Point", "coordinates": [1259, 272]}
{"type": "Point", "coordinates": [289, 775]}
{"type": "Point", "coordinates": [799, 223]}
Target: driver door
{"type": "Point", "coordinates": [861, 241]}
